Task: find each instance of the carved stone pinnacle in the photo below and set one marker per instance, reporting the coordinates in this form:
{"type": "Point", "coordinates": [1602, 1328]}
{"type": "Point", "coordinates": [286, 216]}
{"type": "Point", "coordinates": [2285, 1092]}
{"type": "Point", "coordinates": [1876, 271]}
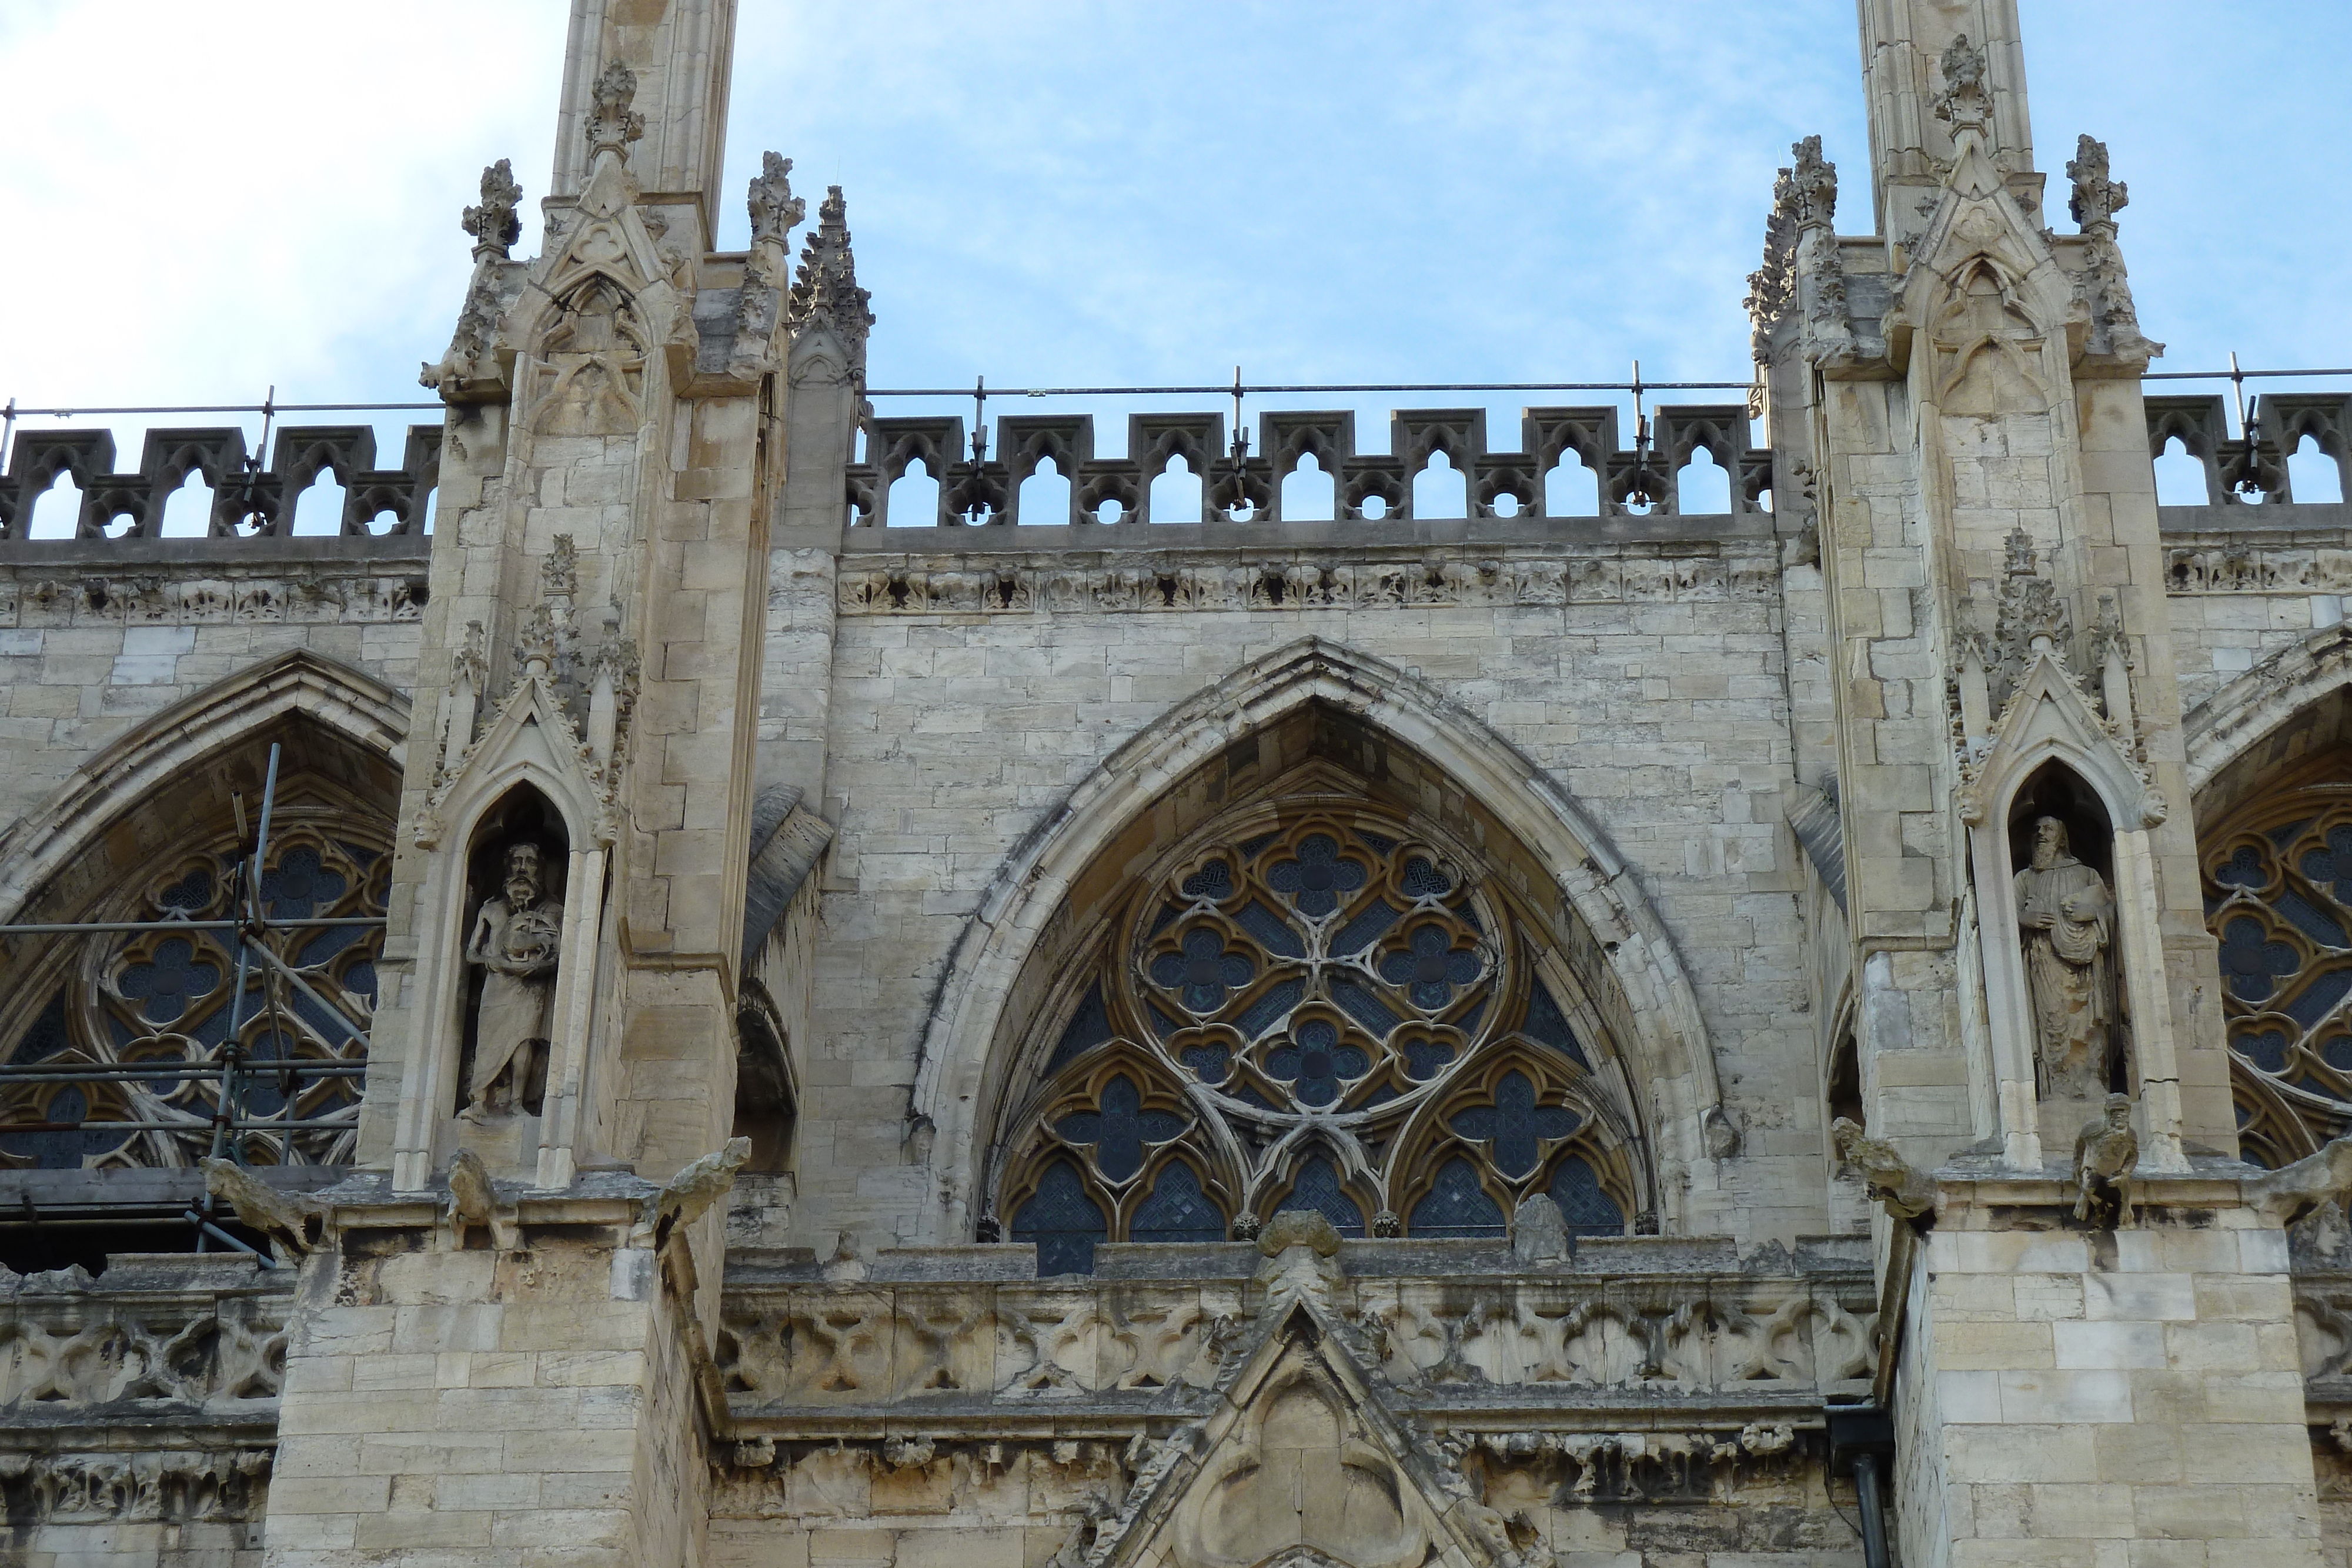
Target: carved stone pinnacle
{"type": "Point", "coordinates": [611, 123]}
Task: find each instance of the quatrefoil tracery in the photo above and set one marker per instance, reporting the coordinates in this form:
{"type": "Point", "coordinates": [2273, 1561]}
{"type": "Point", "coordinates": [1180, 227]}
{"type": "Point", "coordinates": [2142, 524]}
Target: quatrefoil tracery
{"type": "Point", "coordinates": [162, 996]}
{"type": "Point", "coordinates": [2278, 899]}
{"type": "Point", "coordinates": [1329, 1012]}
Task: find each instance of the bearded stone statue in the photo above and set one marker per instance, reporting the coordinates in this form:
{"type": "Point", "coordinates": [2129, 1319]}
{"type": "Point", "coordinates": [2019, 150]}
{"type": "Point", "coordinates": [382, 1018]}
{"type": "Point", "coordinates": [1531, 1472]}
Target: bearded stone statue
{"type": "Point", "coordinates": [2067, 917]}
{"type": "Point", "coordinates": [514, 942]}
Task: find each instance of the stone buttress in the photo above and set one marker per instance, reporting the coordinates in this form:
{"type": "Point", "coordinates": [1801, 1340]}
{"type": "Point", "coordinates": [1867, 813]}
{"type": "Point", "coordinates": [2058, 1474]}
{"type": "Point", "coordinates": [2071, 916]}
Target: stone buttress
{"type": "Point", "coordinates": [1959, 395]}
{"type": "Point", "coordinates": [491, 1359]}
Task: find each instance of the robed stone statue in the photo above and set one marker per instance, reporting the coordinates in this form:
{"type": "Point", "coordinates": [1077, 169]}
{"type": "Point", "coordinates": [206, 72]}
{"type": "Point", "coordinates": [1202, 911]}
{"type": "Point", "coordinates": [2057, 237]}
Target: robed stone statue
{"type": "Point", "coordinates": [514, 942]}
{"type": "Point", "coordinates": [2068, 920]}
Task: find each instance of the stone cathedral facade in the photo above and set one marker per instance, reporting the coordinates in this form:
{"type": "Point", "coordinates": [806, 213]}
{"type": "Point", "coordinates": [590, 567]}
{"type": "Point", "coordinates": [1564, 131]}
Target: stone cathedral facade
{"type": "Point", "coordinates": [758, 1030]}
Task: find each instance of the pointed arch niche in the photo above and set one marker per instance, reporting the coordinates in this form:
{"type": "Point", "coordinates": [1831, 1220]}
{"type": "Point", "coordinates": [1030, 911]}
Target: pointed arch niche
{"type": "Point", "coordinates": [526, 779]}
{"type": "Point", "coordinates": [2051, 756]}
{"type": "Point", "coordinates": [149, 829]}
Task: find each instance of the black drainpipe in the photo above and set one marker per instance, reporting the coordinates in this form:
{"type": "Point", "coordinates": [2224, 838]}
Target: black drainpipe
{"type": "Point", "coordinates": [1861, 1436]}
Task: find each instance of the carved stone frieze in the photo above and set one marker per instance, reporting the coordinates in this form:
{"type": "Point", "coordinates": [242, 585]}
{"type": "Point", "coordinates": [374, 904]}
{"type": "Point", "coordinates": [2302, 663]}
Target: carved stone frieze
{"type": "Point", "coordinates": [214, 592]}
{"type": "Point", "coordinates": [171, 1486]}
{"type": "Point", "coordinates": [2301, 562]}
{"type": "Point", "coordinates": [970, 1346]}
{"type": "Point", "coordinates": [1141, 581]}
{"type": "Point", "coordinates": [68, 1344]}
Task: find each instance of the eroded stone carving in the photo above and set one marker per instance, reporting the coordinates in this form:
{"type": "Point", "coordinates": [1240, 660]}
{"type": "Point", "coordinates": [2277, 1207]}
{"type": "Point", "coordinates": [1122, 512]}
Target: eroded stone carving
{"type": "Point", "coordinates": [2096, 199]}
{"type": "Point", "coordinates": [1964, 104]}
{"type": "Point", "coordinates": [2105, 1150]}
{"type": "Point", "coordinates": [514, 942]}
{"type": "Point", "coordinates": [684, 1198]}
{"type": "Point", "coordinates": [611, 124]}
{"type": "Point", "coordinates": [825, 294]}
{"type": "Point", "coordinates": [776, 211]}
{"type": "Point", "coordinates": [2286, 1194]}
{"type": "Point", "coordinates": [2065, 916]}
{"type": "Point", "coordinates": [1539, 1232]}
{"type": "Point", "coordinates": [1898, 1187]}
{"type": "Point", "coordinates": [493, 223]}
{"type": "Point", "coordinates": [285, 1218]}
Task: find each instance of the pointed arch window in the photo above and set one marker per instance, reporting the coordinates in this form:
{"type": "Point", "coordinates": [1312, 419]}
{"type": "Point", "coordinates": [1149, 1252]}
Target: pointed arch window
{"type": "Point", "coordinates": [1313, 1004]}
{"type": "Point", "coordinates": [2278, 899]}
{"type": "Point", "coordinates": [165, 997]}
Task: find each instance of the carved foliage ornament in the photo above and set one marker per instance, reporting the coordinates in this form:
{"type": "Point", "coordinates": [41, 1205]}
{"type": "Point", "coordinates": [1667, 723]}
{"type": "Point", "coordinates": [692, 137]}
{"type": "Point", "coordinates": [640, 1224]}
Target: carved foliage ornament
{"type": "Point", "coordinates": [825, 291]}
{"type": "Point", "coordinates": [1964, 104]}
{"type": "Point", "coordinates": [493, 224]}
{"type": "Point", "coordinates": [611, 123]}
{"type": "Point", "coordinates": [1317, 1012]}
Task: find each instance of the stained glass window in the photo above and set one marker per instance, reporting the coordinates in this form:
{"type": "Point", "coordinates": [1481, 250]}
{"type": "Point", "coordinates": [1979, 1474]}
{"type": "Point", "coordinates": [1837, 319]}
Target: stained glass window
{"type": "Point", "coordinates": [2278, 899]}
{"type": "Point", "coordinates": [166, 997]}
{"type": "Point", "coordinates": [1333, 1013]}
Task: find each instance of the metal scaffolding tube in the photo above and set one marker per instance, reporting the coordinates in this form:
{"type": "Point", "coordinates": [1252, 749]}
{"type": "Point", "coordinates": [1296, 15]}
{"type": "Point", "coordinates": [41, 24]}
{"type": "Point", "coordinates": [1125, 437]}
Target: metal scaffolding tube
{"type": "Point", "coordinates": [94, 928]}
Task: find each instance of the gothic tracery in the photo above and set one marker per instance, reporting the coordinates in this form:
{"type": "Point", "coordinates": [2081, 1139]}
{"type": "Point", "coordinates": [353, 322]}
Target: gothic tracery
{"type": "Point", "coordinates": [1314, 1008]}
{"type": "Point", "coordinates": [2278, 898]}
{"type": "Point", "coordinates": [162, 996]}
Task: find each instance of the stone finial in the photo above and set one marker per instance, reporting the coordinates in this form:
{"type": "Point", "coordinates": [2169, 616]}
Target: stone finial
{"type": "Point", "coordinates": [535, 644]}
{"type": "Point", "coordinates": [776, 211]}
{"type": "Point", "coordinates": [470, 664]}
{"type": "Point", "coordinates": [493, 224]}
{"type": "Point", "coordinates": [611, 123]}
{"type": "Point", "coordinates": [558, 570]}
{"type": "Point", "coordinates": [1904, 1190]}
{"type": "Point", "coordinates": [2028, 618]}
{"type": "Point", "coordinates": [825, 291]}
{"type": "Point", "coordinates": [2096, 199]}
{"type": "Point", "coordinates": [1964, 104]}
{"type": "Point", "coordinates": [1813, 183]}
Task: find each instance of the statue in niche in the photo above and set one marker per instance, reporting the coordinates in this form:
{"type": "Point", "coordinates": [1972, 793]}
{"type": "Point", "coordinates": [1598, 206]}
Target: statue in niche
{"type": "Point", "coordinates": [2068, 920]}
{"type": "Point", "coordinates": [514, 942]}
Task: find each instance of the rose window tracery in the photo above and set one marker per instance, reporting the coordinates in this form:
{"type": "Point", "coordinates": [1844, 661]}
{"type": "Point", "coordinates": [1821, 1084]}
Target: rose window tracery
{"type": "Point", "coordinates": [1318, 1008]}
{"type": "Point", "coordinates": [162, 996]}
{"type": "Point", "coordinates": [2278, 899]}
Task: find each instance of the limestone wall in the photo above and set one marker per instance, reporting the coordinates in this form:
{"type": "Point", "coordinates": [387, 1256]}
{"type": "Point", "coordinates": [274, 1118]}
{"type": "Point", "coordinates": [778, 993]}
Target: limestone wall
{"type": "Point", "coordinates": [98, 635]}
{"type": "Point", "coordinates": [970, 694]}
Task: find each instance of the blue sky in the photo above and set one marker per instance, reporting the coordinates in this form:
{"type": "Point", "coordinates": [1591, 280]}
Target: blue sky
{"type": "Point", "coordinates": [207, 199]}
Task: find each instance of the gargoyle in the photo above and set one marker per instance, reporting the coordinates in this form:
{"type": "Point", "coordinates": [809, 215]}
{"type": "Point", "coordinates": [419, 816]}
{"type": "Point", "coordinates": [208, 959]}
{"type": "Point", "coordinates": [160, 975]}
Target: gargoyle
{"type": "Point", "coordinates": [1904, 1191]}
{"type": "Point", "coordinates": [685, 1196]}
{"type": "Point", "coordinates": [282, 1216]}
{"type": "Point", "coordinates": [473, 1201]}
{"type": "Point", "coordinates": [2105, 1150]}
{"type": "Point", "coordinates": [2290, 1192]}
